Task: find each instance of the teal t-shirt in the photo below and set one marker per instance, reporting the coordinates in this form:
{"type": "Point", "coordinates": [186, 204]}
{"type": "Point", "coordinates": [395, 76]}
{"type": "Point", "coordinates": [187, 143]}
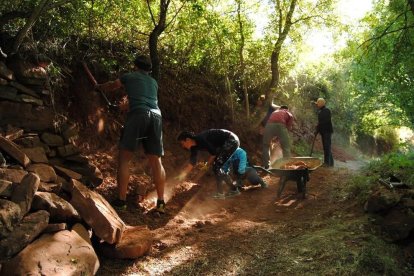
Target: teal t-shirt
{"type": "Point", "coordinates": [142, 91]}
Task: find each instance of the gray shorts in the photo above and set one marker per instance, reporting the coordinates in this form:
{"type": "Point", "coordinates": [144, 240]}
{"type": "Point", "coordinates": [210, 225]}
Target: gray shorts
{"type": "Point", "coordinates": [143, 126]}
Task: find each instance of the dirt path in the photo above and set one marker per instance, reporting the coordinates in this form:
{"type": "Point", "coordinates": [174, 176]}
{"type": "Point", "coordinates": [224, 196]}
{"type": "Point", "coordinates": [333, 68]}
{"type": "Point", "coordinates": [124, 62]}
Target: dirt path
{"type": "Point", "coordinates": [251, 234]}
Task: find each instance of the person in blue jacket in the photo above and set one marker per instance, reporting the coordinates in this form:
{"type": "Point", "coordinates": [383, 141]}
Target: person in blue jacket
{"type": "Point", "coordinates": [239, 164]}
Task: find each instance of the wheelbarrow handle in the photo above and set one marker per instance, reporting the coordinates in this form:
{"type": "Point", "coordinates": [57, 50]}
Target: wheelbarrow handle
{"type": "Point", "coordinates": [262, 169]}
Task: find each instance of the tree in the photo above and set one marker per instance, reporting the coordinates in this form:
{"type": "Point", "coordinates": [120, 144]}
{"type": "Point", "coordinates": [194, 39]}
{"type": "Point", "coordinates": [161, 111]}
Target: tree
{"type": "Point", "coordinates": [285, 19]}
{"type": "Point", "coordinates": [241, 56]}
{"type": "Point", "coordinates": [160, 25]}
{"type": "Point", "coordinates": [383, 70]}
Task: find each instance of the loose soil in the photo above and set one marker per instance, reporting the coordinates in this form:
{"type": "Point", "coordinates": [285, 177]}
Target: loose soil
{"type": "Point", "coordinates": [254, 233]}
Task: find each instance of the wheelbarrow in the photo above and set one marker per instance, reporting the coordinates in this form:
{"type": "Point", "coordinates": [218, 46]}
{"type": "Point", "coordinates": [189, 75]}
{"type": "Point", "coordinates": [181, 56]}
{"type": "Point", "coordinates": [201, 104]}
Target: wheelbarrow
{"type": "Point", "coordinates": [286, 173]}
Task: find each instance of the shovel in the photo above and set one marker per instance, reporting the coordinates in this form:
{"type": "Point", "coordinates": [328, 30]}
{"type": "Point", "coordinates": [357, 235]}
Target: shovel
{"type": "Point", "coordinates": [313, 144]}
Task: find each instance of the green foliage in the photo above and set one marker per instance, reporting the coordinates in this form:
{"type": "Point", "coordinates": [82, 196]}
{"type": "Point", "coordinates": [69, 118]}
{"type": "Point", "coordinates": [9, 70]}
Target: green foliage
{"type": "Point", "coordinates": [382, 71]}
{"type": "Point", "coordinates": [359, 187]}
{"type": "Point", "coordinates": [387, 139]}
{"type": "Point", "coordinates": [400, 165]}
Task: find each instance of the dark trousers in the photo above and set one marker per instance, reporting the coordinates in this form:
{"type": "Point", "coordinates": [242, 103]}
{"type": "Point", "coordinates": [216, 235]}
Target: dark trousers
{"type": "Point", "coordinates": [327, 153]}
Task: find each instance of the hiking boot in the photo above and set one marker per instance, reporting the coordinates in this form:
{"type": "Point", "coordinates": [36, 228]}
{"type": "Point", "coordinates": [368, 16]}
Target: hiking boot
{"type": "Point", "coordinates": [235, 192]}
{"type": "Point", "coordinates": [160, 206]}
{"type": "Point", "coordinates": [263, 185]}
{"type": "Point", "coordinates": [119, 204]}
{"type": "Point", "coordinates": [219, 196]}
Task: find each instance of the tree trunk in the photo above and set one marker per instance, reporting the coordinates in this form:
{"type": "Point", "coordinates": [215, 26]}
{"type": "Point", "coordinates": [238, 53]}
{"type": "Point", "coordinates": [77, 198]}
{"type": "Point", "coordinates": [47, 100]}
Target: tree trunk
{"type": "Point", "coordinates": [29, 24]}
{"type": "Point", "coordinates": [159, 27]}
{"type": "Point", "coordinates": [283, 32]}
{"type": "Point", "coordinates": [228, 87]}
{"type": "Point", "coordinates": [241, 56]}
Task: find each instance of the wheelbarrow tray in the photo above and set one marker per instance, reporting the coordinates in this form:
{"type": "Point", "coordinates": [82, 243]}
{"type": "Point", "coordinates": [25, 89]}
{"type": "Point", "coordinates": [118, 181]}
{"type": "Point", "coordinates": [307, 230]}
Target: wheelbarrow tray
{"type": "Point", "coordinates": [301, 176]}
{"type": "Point", "coordinates": [312, 162]}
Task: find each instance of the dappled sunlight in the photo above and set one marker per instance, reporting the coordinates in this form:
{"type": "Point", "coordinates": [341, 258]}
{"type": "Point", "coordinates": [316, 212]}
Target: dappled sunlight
{"type": "Point", "coordinates": [101, 125]}
{"type": "Point", "coordinates": [405, 134]}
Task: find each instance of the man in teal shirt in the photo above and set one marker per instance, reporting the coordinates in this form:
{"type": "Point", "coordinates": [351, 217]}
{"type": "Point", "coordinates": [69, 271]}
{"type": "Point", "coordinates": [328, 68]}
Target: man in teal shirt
{"type": "Point", "coordinates": [143, 125]}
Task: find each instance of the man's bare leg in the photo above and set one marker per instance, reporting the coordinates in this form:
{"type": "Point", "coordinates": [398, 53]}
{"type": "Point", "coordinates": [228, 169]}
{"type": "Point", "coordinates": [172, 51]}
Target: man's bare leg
{"type": "Point", "coordinates": [158, 174]}
{"type": "Point", "coordinates": [124, 156]}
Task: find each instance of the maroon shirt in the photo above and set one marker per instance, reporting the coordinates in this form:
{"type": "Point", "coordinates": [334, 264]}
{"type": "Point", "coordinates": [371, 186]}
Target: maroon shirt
{"type": "Point", "coordinates": [282, 116]}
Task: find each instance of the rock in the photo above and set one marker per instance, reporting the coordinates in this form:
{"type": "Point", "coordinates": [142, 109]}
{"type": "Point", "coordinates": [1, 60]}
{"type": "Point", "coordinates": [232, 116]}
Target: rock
{"type": "Point", "coordinates": [23, 193]}
{"type": "Point", "coordinates": [97, 213]}
{"type": "Point", "coordinates": [5, 188]}
{"type": "Point", "coordinates": [24, 89]}
{"type": "Point", "coordinates": [27, 116]}
{"type": "Point", "coordinates": [55, 227]}
{"type": "Point", "coordinates": [70, 132]}
{"type": "Point", "coordinates": [81, 230]}
{"type": "Point", "coordinates": [135, 242]}
{"type": "Point", "coordinates": [30, 141]}
{"type": "Point", "coordinates": [67, 174]}
{"type": "Point", "coordinates": [52, 140]}
{"type": "Point", "coordinates": [398, 223]}
{"type": "Point", "coordinates": [23, 234]}
{"type": "Point", "coordinates": [5, 72]}
{"type": "Point", "coordinates": [8, 93]}
{"type": "Point", "coordinates": [60, 253]}
{"type": "Point", "coordinates": [36, 155]}
{"type": "Point", "coordinates": [91, 175]}
{"type": "Point", "coordinates": [381, 200]}
{"type": "Point", "coordinates": [60, 210]}
{"type": "Point", "coordinates": [45, 172]}
{"type": "Point", "coordinates": [13, 150]}
{"type": "Point", "coordinates": [14, 133]}
{"type": "Point", "coordinates": [67, 150]}
{"type": "Point", "coordinates": [13, 175]}
{"type": "Point", "coordinates": [78, 159]}
{"type": "Point", "coordinates": [10, 214]}
{"type": "Point", "coordinates": [50, 187]}
{"type": "Point", "coordinates": [29, 99]}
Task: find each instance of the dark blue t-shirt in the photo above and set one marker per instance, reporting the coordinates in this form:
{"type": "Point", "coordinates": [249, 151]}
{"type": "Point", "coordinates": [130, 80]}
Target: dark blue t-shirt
{"type": "Point", "coordinates": [142, 91]}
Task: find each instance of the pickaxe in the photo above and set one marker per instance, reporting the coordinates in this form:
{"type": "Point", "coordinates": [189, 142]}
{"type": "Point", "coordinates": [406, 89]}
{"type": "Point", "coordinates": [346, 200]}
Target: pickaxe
{"type": "Point", "coordinates": [92, 79]}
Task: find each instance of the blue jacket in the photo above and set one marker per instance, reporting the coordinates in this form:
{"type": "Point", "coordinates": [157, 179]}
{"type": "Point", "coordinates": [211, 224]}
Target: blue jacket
{"type": "Point", "coordinates": [238, 159]}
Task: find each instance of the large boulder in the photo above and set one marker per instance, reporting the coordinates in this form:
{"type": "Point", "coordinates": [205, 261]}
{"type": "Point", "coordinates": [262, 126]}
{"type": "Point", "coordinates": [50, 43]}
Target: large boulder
{"type": "Point", "coordinates": [136, 241]}
{"type": "Point", "coordinates": [23, 233]}
{"type": "Point", "coordinates": [97, 213]}
{"type": "Point", "coordinates": [60, 253]}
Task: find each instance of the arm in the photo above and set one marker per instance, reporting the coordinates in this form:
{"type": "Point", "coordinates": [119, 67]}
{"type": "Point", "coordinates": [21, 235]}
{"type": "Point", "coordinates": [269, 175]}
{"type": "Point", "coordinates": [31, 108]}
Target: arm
{"type": "Point", "coordinates": [110, 85]}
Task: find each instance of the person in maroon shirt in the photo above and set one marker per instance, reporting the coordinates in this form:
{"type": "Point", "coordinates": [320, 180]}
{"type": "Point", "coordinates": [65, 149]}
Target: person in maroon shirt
{"type": "Point", "coordinates": [278, 124]}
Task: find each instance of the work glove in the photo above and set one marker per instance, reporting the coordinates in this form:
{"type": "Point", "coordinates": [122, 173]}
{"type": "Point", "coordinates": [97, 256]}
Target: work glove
{"type": "Point", "coordinates": [204, 167]}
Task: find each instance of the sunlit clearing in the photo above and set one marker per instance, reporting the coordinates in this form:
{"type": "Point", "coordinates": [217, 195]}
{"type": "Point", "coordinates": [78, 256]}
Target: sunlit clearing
{"type": "Point", "coordinates": [101, 125]}
{"type": "Point", "coordinates": [353, 10]}
{"type": "Point", "coordinates": [405, 134]}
